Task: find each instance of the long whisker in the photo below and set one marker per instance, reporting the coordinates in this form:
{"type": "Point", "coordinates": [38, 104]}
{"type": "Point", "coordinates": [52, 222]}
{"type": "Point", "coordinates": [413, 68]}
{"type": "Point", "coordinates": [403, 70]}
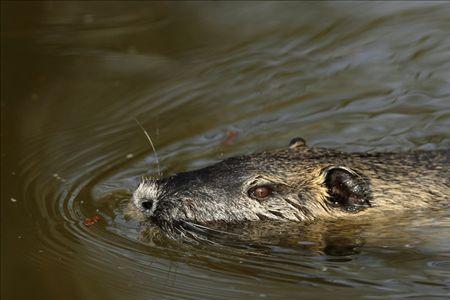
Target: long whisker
{"type": "Point", "coordinates": [198, 238]}
{"type": "Point", "coordinates": [151, 144]}
{"type": "Point", "coordinates": [205, 228]}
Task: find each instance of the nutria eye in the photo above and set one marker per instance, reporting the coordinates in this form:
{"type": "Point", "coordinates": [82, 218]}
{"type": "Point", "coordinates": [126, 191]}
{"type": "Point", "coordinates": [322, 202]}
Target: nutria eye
{"type": "Point", "coordinates": [260, 192]}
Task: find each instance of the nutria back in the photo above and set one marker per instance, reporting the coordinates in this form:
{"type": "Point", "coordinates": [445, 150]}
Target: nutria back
{"type": "Point", "coordinates": [295, 184]}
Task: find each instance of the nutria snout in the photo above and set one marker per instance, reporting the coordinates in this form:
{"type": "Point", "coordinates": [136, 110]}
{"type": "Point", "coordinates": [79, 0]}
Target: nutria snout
{"type": "Point", "coordinates": [297, 184]}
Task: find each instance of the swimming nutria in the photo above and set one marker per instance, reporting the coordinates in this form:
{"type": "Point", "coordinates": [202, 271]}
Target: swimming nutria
{"type": "Point", "coordinates": [298, 184]}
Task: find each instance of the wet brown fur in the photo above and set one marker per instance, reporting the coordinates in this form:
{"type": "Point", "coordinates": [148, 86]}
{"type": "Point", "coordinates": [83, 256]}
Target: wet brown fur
{"type": "Point", "coordinates": [218, 194]}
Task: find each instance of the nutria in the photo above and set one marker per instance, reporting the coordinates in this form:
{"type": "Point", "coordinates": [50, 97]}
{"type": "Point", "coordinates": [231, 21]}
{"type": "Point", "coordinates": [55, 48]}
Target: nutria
{"type": "Point", "coordinates": [296, 184]}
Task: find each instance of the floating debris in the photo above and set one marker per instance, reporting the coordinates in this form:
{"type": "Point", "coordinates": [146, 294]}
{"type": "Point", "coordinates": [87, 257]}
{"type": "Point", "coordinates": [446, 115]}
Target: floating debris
{"type": "Point", "coordinates": [92, 221]}
{"type": "Point", "coordinates": [13, 200]}
{"type": "Point", "coordinates": [56, 175]}
{"type": "Point", "coordinates": [231, 137]}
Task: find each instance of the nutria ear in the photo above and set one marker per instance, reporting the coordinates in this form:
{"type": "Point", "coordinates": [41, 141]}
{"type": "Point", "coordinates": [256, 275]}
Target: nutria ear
{"type": "Point", "coordinates": [297, 142]}
{"type": "Point", "coordinates": [347, 188]}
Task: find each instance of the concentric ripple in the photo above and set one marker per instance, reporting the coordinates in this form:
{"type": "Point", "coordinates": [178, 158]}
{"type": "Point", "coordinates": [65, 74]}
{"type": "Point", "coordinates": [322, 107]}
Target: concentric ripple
{"type": "Point", "coordinates": [361, 78]}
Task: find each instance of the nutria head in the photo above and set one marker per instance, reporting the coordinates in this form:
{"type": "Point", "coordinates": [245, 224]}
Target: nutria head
{"type": "Point", "coordinates": [295, 184]}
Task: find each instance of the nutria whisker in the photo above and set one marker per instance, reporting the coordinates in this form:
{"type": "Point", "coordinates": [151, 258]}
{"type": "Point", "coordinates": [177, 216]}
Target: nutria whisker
{"type": "Point", "coordinates": [147, 135]}
{"type": "Point", "coordinates": [190, 236]}
{"type": "Point", "coordinates": [205, 228]}
{"type": "Point", "coordinates": [199, 238]}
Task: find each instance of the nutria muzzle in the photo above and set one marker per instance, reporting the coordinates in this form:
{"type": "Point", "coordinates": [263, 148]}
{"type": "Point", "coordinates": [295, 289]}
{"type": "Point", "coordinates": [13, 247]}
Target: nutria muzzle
{"type": "Point", "coordinates": [295, 184]}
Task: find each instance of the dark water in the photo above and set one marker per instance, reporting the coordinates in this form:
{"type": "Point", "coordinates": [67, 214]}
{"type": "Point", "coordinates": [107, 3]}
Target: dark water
{"type": "Point", "coordinates": [354, 76]}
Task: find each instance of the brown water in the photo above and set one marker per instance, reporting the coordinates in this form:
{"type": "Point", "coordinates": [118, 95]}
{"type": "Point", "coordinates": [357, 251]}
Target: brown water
{"type": "Point", "coordinates": [354, 76]}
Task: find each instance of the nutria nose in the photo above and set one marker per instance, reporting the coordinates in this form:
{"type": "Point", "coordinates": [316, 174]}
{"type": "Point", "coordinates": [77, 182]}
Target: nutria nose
{"type": "Point", "coordinates": [147, 204]}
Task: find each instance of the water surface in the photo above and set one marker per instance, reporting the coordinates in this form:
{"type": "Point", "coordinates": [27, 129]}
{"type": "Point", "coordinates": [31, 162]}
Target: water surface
{"type": "Point", "coordinates": [75, 76]}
